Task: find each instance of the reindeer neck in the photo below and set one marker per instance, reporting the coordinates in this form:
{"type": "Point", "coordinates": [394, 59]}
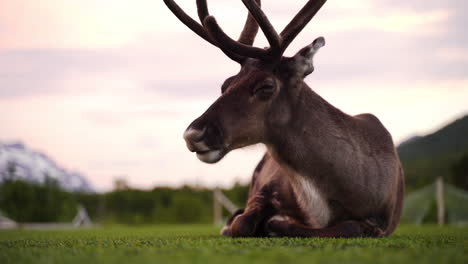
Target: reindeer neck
{"type": "Point", "coordinates": [308, 142]}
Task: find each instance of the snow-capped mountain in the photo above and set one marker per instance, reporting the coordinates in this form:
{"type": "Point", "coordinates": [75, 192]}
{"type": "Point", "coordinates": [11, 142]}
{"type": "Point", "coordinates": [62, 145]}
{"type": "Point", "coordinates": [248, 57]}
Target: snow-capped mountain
{"type": "Point", "coordinates": [34, 166]}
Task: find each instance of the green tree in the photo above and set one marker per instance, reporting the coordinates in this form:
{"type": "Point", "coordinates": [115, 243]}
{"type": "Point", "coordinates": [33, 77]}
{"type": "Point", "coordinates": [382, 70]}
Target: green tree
{"type": "Point", "coordinates": [460, 172]}
{"type": "Point", "coordinates": [31, 202]}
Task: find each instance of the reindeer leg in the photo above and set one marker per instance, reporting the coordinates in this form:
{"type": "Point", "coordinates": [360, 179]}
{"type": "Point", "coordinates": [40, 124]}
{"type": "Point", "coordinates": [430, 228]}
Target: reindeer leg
{"type": "Point", "coordinates": [245, 225]}
{"type": "Point", "coordinates": [346, 229]}
{"type": "Point", "coordinates": [260, 206]}
{"type": "Point", "coordinates": [226, 230]}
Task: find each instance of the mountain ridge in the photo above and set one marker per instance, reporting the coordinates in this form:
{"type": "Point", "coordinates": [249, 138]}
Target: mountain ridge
{"type": "Point", "coordinates": [451, 138]}
{"type": "Point", "coordinates": [35, 166]}
{"type": "Point", "coordinates": [425, 158]}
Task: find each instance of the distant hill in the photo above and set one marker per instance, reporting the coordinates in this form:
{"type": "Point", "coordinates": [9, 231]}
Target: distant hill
{"type": "Point", "coordinates": [426, 157]}
{"type": "Point", "coordinates": [33, 166]}
{"type": "Point", "coordinates": [409, 140]}
{"type": "Point", "coordinates": [451, 139]}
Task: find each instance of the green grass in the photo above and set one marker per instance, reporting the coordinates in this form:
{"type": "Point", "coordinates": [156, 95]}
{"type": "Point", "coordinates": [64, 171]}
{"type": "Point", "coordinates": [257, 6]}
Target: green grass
{"type": "Point", "coordinates": [201, 244]}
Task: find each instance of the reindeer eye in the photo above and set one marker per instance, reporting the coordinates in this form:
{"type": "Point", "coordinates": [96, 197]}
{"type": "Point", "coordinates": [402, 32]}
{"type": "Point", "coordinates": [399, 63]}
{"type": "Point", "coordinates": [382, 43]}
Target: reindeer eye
{"type": "Point", "coordinates": [265, 91]}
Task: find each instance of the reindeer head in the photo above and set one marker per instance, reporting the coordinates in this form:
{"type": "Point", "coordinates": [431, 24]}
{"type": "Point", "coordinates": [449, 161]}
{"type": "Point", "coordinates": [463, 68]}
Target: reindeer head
{"type": "Point", "coordinates": [260, 97]}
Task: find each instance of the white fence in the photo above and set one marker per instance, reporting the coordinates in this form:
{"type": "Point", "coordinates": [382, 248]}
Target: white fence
{"type": "Point", "coordinates": [220, 201]}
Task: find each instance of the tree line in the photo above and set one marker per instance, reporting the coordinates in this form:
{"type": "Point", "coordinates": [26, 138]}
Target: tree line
{"type": "Point", "coordinates": [32, 202]}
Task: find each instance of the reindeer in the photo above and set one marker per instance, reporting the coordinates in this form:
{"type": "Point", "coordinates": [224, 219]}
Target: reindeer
{"type": "Point", "coordinates": [325, 173]}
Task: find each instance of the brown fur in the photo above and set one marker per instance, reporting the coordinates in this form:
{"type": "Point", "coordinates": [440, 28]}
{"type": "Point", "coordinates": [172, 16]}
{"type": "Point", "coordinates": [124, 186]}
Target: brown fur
{"type": "Point", "coordinates": [351, 160]}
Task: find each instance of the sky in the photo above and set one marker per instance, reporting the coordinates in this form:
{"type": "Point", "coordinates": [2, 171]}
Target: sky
{"type": "Point", "coordinates": [108, 87]}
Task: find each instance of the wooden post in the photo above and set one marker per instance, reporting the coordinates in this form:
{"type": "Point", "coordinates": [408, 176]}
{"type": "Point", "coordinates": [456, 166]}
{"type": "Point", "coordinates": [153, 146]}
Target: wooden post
{"type": "Point", "coordinates": [440, 201]}
{"type": "Point", "coordinates": [217, 209]}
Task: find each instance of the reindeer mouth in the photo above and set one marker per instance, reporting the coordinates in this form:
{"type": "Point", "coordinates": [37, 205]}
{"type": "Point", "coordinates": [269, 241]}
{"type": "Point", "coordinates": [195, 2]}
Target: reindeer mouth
{"type": "Point", "coordinates": [210, 156]}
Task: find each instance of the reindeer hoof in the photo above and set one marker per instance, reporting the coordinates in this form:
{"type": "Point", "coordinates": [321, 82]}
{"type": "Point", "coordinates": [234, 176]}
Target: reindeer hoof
{"type": "Point", "coordinates": [243, 226]}
{"type": "Point", "coordinates": [371, 229]}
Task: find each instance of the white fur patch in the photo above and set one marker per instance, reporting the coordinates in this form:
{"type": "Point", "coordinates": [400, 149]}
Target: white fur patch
{"type": "Point", "coordinates": [279, 218]}
{"type": "Point", "coordinates": [211, 156]}
{"type": "Point", "coordinates": [311, 201]}
{"type": "Point", "coordinates": [309, 198]}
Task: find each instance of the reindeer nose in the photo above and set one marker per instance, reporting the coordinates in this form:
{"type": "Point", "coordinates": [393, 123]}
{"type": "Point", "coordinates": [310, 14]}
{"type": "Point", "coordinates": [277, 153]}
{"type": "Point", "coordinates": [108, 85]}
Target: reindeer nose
{"type": "Point", "coordinates": [194, 135]}
{"type": "Point", "coordinates": [202, 136]}
{"type": "Point", "coordinates": [194, 139]}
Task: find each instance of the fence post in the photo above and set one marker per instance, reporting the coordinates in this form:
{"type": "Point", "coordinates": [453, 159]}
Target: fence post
{"type": "Point", "coordinates": [440, 201]}
{"type": "Point", "coordinates": [217, 210]}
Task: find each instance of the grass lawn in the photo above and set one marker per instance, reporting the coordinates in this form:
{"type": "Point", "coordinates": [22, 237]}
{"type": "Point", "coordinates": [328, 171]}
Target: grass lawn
{"type": "Point", "coordinates": [201, 244]}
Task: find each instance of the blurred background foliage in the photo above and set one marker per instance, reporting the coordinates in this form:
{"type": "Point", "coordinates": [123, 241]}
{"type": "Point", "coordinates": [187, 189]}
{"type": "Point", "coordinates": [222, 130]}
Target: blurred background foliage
{"type": "Point", "coordinates": [30, 202]}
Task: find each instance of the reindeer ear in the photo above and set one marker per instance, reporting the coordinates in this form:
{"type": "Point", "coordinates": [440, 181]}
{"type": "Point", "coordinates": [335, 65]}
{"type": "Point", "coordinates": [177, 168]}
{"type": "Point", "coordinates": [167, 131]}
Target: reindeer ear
{"type": "Point", "coordinates": [304, 58]}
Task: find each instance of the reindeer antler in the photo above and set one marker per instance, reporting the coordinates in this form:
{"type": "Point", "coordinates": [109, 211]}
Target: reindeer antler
{"type": "Point", "coordinates": [242, 49]}
{"type": "Point", "coordinates": [215, 31]}
{"type": "Point", "coordinates": [250, 30]}
{"type": "Point", "coordinates": [299, 22]}
{"type": "Point", "coordinates": [198, 29]}
{"type": "Point", "coordinates": [245, 50]}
